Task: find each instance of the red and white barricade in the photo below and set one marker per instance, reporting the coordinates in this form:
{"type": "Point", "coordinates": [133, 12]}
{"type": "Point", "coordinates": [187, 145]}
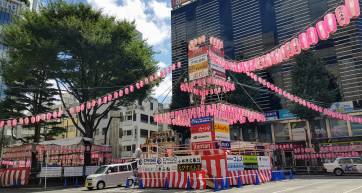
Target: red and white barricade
{"type": "Point", "coordinates": [249, 176]}
{"type": "Point", "coordinates": [176, 180]}
{"type": "Point", "coordinates": [12, 177]}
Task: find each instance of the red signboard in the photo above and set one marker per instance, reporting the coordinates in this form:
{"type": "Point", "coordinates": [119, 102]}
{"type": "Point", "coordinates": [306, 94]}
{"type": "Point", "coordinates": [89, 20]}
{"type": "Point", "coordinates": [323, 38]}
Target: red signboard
{"type": "Point", "coordinates": [203, 146]}
{"type": "Point", "coordinates": [201, 128]}
{"type": "Point", "coordinates": [197, 52]}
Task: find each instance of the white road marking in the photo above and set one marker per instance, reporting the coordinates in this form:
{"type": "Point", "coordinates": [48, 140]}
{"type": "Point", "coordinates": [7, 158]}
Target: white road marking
{"type": "Point", "coordinates": [351, 190]}
{"type": "Point", "coordinates": [298, 187]}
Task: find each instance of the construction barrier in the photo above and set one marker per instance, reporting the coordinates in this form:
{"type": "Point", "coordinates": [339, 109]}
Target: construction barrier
{"type": "Point", "coordinates": [14, 177]}
{"type": "Point", "coordinates": [249, 176]}
{"type": "Point", "coordinates": [176, 180]}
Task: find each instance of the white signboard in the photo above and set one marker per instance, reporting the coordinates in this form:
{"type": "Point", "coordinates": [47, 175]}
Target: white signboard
{"type": "Point", "coordinates": [165, 164]}
{"type": "Point", "coordinates": [235, 162]}
{"type": "Point", "coordinates": [73, 171]}
{"type": "Point", "coordinates": [195, 159]}
{"type": "Point", "coordinates": [201, 137]}
{"type": "Point", "coordinates": [198, 59]}
{"type": "Point", "coordinates": [50, 172]}
{"type": "Point", "coordinates": [198, 67]}
{"type": "Point", "coordinates": [264, 163]}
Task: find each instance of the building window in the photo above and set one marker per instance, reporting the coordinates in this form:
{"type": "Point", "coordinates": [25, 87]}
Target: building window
{"type": "Point", "coordinates": [281, 132]}
{"type": "Point", "coordinates": [133, 148]}
{"type": "Point", "coordinates": [356, 129]}
{"type": "Point", "coordinates": [129, 117]}
{"type": "Point", "coordinates": [151, 106]}
{"type": "Point", "coordinates": [144, 118]}
{"type": "Point", "coordinates": [144, 133]}
{"type": "Point", "coordinates": [338, 128]}
{"type": "Point", "coordinates": [128, 148]}
{"type": "Point", "coordinates": [120, 133]}
{"type": "Point", "coordinates": [152, 120]}
{"type": "Point", "coordinates": [319, 129]}
{"type": "Point", "coordinates": [298, 131]}
{"type": "Point", "coordinates": [128, 132]}
{"type": "Point", "coordinates": [134, 116]}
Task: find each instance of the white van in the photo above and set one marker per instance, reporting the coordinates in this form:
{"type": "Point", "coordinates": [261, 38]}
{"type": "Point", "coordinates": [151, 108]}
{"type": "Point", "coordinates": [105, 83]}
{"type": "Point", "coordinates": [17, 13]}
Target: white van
{"type": "Point", "coordinates": [111, 176]}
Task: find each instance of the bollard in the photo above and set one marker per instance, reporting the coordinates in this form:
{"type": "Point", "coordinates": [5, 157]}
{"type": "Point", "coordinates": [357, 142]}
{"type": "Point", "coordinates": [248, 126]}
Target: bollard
{"type": "Point", "coordinates": [257, 180]}
{"type": "Point", "coordinates": [65, 183]}
{"type": "Point", "coordinates": [216, 185]}
{"type": "Point", "coordinates": [127, 184]}
{"type": "Point", "coordinates": [166, 186]}
{"type": "Point", "coordinates": [291, 174]}
{"type": "Point", "coordinates": [76, 183]}
{"type": "Point", "coordinates": [240, 183]}
{"type": "Point", "coordinates": [188, 184]}
{"type": "Point", "coordinates": [227, 185]}
{"type": "Point", "coordinates": [140, 184]}
{"type": "Point", "coordinates": [222, 184]}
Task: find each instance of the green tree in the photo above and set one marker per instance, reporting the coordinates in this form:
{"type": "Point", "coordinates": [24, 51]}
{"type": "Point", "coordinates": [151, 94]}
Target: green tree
{"type": "Point", "coordinates": [313, 82]}
{"type": "Point", "coordinates": [85, 53]}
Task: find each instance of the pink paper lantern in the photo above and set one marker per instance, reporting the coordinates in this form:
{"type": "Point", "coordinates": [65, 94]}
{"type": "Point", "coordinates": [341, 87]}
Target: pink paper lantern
{"type": "Point", "coordinates": [99, 101]}
{"type": "Point", "coordinates": [353, 8]}
{"type": "Point", "coordinates": [120, 93]}
{"type": "Point", "coordinates": [303, 40]}
{"type": "Point", "coordinates": [126, 91]}
{"type": "Point", "coordinates": [26, 121]}
{"type": "Point", "coordinates": [14, 122]}
{"type": "Point", "coordinates": [312, 36]}
{"type": "Point", "coordinates": [342, 15]}
{"type": "Point", "coordinates": [295, 46]}
{"type": "Point", "coordinates": [331, 23]}
{"type": "Point", "coordinates": [322, 30]}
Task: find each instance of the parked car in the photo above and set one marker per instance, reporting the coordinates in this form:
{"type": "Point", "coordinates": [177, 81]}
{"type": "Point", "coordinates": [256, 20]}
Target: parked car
{"type": "Point", "coordinates": [112, 176]}
{"type": "Point", "coordinates": [344, 165]}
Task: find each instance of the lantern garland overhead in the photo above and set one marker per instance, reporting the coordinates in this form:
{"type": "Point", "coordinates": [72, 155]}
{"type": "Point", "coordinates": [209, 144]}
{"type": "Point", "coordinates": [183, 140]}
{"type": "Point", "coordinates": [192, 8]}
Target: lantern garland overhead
{"type": "Point", "coordinates": [116, 95]}
{"type": "Point", "coordinates": [231, 113]}
{"type": "Point", "coordinates": [303, 102]}
{"type": "Point", "coordinates": [323, 29]}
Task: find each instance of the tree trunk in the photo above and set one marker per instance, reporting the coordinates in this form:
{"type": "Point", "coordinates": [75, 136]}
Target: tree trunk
{"type": "Point", "coordinates": [37, 133]}
{"type": "Point", "coordinates": [88, 149]}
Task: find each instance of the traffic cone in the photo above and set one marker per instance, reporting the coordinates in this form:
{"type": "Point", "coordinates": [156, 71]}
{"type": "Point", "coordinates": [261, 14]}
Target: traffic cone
{"type": "Point", "coordinates": [240, 183]}
{"type": "Point", "coordinates": [227, 185]}
{"type": "Point", "coordinates": [166, 184]}
{"type": "Point", "coordinates": [140, 185]}
{"type": "Point", "coordinates": [257, 180]}
{"type": "Point", "coordinates": [188, 184]}
{"type": "Point", "coordinates": [127, 184]}
{"type": "Point", "coordinates": [222, 184]}
{"type": "Point", "coordinates": [77, 182]}
{"type": "Point", "coordinates": [216, 186]}
{"type": "Point", "coordinates": [65, 183]}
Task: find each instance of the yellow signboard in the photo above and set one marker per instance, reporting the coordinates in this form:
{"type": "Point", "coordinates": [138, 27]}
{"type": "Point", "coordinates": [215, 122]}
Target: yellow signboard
{"type": "Point", "coordinates": [222, 128]}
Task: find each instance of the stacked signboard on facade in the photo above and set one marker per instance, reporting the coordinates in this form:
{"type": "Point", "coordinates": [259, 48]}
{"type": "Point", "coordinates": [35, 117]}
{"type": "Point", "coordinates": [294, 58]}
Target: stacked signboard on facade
{"type": "Point", "coordinates": [209, 133]}
{"type": "Point", "coordinates": [170, 164]}
{"type": "Point", "coordinates": [248, 162]}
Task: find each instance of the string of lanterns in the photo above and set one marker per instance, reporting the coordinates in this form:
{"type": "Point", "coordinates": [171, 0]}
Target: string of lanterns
{"type": "Point", "coordinates": [230, 113]}
{"type": "Point", "coordinates": [221, 86]}
{"type": "Point", "coordinates": [303, 102]}
{"type": "Point", "coordinates": [116, 95]}
{"type": "Point", "coordinates": [321, 31]}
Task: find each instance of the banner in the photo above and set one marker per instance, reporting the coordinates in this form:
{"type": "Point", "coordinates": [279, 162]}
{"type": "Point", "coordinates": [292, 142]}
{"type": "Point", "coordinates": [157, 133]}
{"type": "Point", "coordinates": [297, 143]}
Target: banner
{"type": "Point", "coordinates": [250, 162]}
{"type": "Point", "coordinates": [188, 163]}
{"type": "Point", "coordinates": [264, 163]}
{"type": "Point", "coordinates": [222, 130]}
{"type": "Point", "coordinates": [235, 162]}
{"type": "Point", "coordinates": [203, 146]}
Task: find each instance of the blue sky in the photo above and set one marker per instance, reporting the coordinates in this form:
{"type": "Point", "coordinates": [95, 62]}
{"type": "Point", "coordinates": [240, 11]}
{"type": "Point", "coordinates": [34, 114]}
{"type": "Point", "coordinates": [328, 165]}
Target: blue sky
{"type": "Point", "coordinates": [153, 20]}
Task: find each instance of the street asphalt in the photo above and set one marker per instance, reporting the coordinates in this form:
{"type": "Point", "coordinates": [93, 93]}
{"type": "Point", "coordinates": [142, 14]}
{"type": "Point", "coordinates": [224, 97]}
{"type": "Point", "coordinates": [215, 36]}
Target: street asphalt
{"type": "Point", "coordinates": [301, 184]}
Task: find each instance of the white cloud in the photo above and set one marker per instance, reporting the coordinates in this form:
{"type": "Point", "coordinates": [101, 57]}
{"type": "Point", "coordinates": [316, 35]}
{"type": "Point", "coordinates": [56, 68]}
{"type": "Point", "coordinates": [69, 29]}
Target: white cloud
{"type": "Point", "coordinates": [164, 89]}
{"type": "Point", "coordinates": [160, 9]}
{"type": "Point", "coordinates": [153, 25]}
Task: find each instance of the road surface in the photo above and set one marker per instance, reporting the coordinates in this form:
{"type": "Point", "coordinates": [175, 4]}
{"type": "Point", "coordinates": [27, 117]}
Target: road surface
{"type": "Point", "coordinates": [301, 184]}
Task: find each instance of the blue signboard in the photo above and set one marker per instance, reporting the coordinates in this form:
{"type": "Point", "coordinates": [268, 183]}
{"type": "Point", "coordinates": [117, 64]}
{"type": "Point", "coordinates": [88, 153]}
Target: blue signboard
{"type": "Point", "coordinates": [271, 115]}
{"type": "Point", "coordinates": [201, 120]}
{"type": "Point", "coordinates": [223, 144]}
{"type": "Point", "coordinates": [286, 114]}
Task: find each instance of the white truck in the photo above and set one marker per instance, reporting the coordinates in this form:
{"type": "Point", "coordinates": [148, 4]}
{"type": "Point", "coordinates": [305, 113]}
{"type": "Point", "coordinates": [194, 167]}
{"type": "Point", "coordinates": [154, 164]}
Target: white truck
{"type": "Point", "coordinates": [112, 175]}
{"type": "Point", "coordinates": [344, 165]}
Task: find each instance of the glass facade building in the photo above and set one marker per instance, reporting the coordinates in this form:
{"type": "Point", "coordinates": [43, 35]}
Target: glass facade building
{"type": "Point", "coordinates": [247, 28]}
{"type": "Point", "coordinates": [8, 8]}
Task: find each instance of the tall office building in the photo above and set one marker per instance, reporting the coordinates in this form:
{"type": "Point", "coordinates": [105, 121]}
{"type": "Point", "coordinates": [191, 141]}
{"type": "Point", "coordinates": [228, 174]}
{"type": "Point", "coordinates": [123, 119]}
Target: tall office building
{"type": "Point", "coordinates": [341, 52]}
{"type": "Point", "coordinates": [247, 28]}
{"type": "Point", "coordinates": [8, 9]}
